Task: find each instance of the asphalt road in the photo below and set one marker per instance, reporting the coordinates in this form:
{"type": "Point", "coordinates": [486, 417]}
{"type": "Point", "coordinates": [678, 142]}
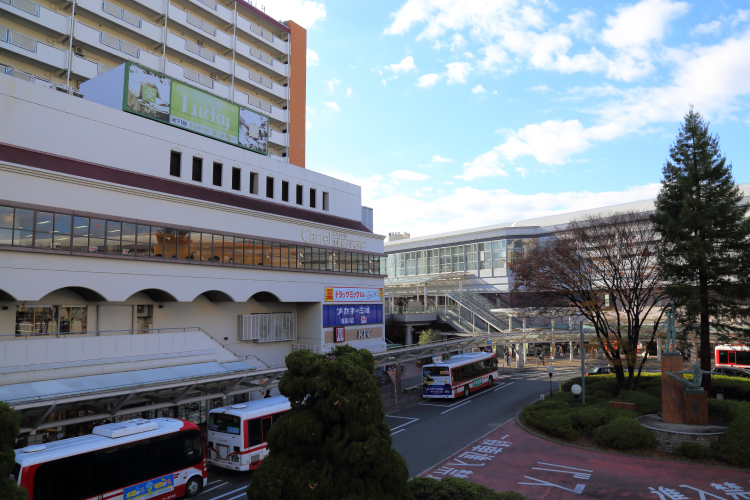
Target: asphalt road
{"type": "Point", "coordinates": [430, 430]}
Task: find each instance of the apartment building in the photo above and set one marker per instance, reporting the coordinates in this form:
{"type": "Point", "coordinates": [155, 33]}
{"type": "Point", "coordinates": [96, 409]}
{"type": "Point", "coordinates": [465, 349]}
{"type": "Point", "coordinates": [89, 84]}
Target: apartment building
{"type": "Point", "coordinates": [230, 49]}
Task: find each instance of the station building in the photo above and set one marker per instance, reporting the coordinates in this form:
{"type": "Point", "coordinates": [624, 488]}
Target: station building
{"type": "Point", "coordinates": [162, 247]}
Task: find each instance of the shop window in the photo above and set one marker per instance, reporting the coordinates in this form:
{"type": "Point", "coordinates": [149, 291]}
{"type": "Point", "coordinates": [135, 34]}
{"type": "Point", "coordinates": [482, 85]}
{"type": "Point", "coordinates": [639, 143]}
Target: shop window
{"type": "Point", "coordinates": [269, 187]}
{"type": "Point", "coordinates": [197, 169]}
{"type": "Point", "coordinates": [217, 174]}
{"type": "Point", "coordinates": [284, 190]}
{"type": "Point", "coordinates": [45, 320]}
{"type": "Point", "coordinates": [299, 194]}
{"type": "Point", "coordinates": [312, 198]}
{"type": "Point", "coordinates": [175, 163]}
{"type": "Point", "coordinates": [253, 183]}
{"type": "Point", "coordinates": [236, 173]}
{"type": "Point", "coordinates": [325, 201]}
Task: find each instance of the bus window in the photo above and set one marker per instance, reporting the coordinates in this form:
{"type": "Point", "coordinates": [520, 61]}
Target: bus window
{"type": "Point", "coordinates": [732, 360]}
{"type": "Point", "coordinates": [224, 423]}
{"type": "Point", "coordinates": [254, 434]}
{"type": "Point", "coordinates": [723, 357]}
{"type": "Point", "coordinates": [276, 416]}
{"type": "Point", "coordinates": [266, 424]}
{"type": "Point", "coordinates": [743, 357]}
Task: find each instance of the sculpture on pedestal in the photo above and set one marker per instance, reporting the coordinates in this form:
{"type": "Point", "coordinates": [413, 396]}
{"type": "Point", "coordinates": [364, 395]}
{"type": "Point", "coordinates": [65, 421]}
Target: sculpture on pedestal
{"type": "Point", "coordinates": [697, 377]}
{"type": "Point", "coordinates": [671, 332]}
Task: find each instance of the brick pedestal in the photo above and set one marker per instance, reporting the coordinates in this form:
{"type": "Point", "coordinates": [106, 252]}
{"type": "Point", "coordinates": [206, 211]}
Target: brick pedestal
{"type": "Point", "coordinates": [672, 391]}
{"type": "Point", "coordinates": [696, 407]}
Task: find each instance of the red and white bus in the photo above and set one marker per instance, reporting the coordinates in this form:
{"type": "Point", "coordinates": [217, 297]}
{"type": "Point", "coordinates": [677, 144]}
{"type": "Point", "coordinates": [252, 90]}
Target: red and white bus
{"type": "Point", "coordinates": [138, 459]}
{"type": "Point", "coordinates": [460, 375]}
{"type": "Point", "coordinates": [736, 356]}
{"type": "Point", "coordinates": [237, 433]}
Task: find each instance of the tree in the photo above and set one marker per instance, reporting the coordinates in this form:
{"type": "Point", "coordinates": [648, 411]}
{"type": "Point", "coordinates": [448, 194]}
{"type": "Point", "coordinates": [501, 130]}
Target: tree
{"type": "Point", "coordinates": [10, 424]}
{"type": "Point", "coordinates": [427, 488]}
{"type": "Point", "coordinates": [430, 335]}
{"type": "Point", "coordinates": [604, 270]}
{"type": "Point", "coordinates": [334, 442]}
{"type": "Point", "coordinates": [704, 249]}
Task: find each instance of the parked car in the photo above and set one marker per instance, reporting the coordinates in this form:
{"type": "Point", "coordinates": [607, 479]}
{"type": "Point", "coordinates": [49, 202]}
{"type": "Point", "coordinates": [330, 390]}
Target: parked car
{"type": "Point", "coordinates": [731, 372]}
{"type": "Point", "coordinates": [602, 370]}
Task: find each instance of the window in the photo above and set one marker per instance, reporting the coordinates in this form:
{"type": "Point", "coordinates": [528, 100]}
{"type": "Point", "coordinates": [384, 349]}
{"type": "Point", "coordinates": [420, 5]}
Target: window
{"type": "Point", "coordinates": [284, 190]}
{"type": "Point", "coordinates": [312, 198]}
{"type": "Point", "coordinates": [254, 433]}
{"type": "Point", "coordinates": [197, 169]}
{"type": "Point", "coordinates": [217, 174]}
{"type": "Point", "coordinates": [253, 183]}
{"type": "Point", "coordinates": [299, 194]}
{"type": "Point", "coordinates": [228, 424]}
{"type": "Point", "coordinates": [175, 162]}
{"type": "Point", "coordinates": [236, 172]}
{"type": "Point", "coordinates": [325, 201]}
{"type": "Point", "coordinates": [269, 187]}
{"type": "Point", "coordinates": [42, 320]}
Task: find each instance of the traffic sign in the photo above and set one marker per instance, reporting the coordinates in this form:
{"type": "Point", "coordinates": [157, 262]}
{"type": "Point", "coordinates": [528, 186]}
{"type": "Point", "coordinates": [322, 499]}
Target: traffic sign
{"type": "Point", "coordinates": [489, 342]}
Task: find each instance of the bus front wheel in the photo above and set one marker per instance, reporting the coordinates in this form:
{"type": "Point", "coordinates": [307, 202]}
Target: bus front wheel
{"type": "Point", "coordinates": [193, 486]}
{"type": "Point", "coordinates": [466, 391]}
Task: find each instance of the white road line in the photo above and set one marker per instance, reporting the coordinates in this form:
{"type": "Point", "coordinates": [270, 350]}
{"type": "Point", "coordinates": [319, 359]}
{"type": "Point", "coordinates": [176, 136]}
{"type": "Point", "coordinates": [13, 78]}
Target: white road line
{"type": "Point", "coordinates": [565, 467]}
{"type": "Point", "coordinates": [394, 416]}
{"type": "Point", "coordinates": [394, 433]}
{"type": "Point", "coordinates": [404, 425]}
{"type": "Point", "coordinates": [238, 496]}
{"type": "Point", "coordinates": [503, 387]}
{"type": "Point", "coordinates": [459, 406]}
{"type": "Point", "coordinates": [217, 486]}
{"type": "Point", "coordinates": [213, 482]}
{"type": "Point", "coordinates": [227, 494]}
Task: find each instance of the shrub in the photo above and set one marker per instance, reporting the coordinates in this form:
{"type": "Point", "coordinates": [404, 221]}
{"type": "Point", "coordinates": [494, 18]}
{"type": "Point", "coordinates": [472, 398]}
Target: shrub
{"type": "Point", "coordinates": [623, 433]}
{"type": "Point", "coordinates": [591, 417]}
{"type": "Point", "coordinates": [734, 444]}
{"type": "Point", "coordinates": [644, 403]}
{"type": "Point", "coordinates": [426, 488]}
{"type": "Point", "coordinates": [732, 387]}
{"type": "Point", "coordinates": [603, 383]}
{"type": "Point", "coordinates": [10, 423]}
{"type": "Point", "coordinates": [691, 449]}
{"type": "Point", "coordinates": [554, 419]}
{"type": "Point", "coordinates": [725, 409]}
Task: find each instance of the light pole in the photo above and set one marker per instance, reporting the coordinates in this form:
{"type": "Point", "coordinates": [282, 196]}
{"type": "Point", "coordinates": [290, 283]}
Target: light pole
{"type": "Point", "coordinates": [576, 390]}
{"type": "Point", "coordinates": [550, 369]}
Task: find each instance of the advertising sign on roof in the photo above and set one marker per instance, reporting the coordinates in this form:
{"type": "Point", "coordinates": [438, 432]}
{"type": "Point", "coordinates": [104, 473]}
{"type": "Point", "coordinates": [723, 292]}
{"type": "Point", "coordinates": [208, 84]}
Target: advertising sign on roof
{"type": "Point", "coordinates": [159, 97]}
{"type": "Point", "coordinates": [350, 294]}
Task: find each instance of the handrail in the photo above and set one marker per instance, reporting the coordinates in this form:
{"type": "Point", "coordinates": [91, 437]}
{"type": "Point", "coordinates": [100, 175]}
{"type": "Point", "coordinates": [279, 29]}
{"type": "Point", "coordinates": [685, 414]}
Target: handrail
{"type": "Point", "coordinates": [475, 313]}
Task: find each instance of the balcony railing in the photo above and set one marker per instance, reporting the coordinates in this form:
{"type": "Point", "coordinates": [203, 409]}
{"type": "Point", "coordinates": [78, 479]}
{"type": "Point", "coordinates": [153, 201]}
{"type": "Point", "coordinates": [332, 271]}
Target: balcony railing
{"type": "Point", "coordinates": [200, 24]}
{"type": "Point", "coordinates": [30, 78]}
{"type": "Point", "coordinates": [25, 5]}
{"type": "Point", "coordinates": [196, 49]}
{"type": "Point", "coordinates": [115, 11]}
{"type": "Point", "coordinates": [17, 39]}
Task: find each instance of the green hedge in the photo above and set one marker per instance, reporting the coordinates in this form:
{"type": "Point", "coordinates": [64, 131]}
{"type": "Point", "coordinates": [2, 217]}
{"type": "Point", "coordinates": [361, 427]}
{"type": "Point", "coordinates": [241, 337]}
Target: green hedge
{"type": "Point", "coordinates": [732, 387]}
{"type": "Point", "coordinates": [692, 450]}
{"type": "Point", "coordinates": [553, 417]}
{"type": "Point", "coordinates": [623, 433]}
{"type": "Point", "coordinates": [645, 404]}
{"type": "Point", "coordinates": [734, 444]}
{"type": "Point", "coordinates": [426, 488]}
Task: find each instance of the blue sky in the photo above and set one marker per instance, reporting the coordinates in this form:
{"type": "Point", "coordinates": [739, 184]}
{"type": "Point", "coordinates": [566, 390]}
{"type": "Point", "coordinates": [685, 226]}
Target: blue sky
{"type": "Point", "coordinates": [459, 113]}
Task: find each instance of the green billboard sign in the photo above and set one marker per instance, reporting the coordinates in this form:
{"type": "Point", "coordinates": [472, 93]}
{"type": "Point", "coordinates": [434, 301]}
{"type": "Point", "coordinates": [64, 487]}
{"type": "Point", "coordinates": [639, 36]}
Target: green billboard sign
{"type": "Point", "coordinates": [161, 98]}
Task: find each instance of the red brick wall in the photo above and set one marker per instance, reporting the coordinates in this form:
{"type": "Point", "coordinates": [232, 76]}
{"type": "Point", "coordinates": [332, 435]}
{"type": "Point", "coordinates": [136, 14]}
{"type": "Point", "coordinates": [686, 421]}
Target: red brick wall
{"type": "Point", "coordinates": [672, 391]}
{"type": "Point", "coordinates": [297, 93]}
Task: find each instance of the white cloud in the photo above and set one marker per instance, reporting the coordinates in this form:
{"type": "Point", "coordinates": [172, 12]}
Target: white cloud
{"type": "Point", "coordinates": [332, 84]}
{"type": "Point", "coordinates": [312, 58]}
{"type": "Point", "coordinates": [440, 159]}
{"type": "Point", "coordinates": [310, 110]}
{"type": "Point", "coordinates": [408, 175]}
{"type": "Point", "coordinates": [308, 125]}
{"type": "Point", "coordinates": [349, 92]}
{"type": "Point", "coordinates": [457, 72]}
{"type": "Point", "coordinates": [458, 42]}
{"type": "Point", "coordinates": [540, 88]}
{"type": "Point", "coordinates": [642, 23]}
{"type": "Point", "coordinates": [478, 90]}
{"type": "Point", "coordinates": [522, 171]}
{"type": "Point", "coordinates": [332, 106]}
{"type": "Point", "coordinates": [712, 28]}
{"type": "Point", "coordinates": [428, 80]}
{"type": "Point", "coordinates": [306, 13]}
{"type": "Point", "coordinates": [406, 65]}
{"type": "Point", "coordinates": [484, 165]}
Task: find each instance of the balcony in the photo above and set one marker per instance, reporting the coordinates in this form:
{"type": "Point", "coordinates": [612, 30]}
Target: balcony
{"type": "Point", "coordinates": [114, 17]}
{"type": "Point", "coordinates": [201, 56]}
{"type": "Point", "coordinates": [260, 105]}
{"type": "Point", "coordinates": [209, 34]}
{"type": "Point", "coordinates": [149, 7]}
{"type": "Point", "coordinates": [35, 16]}
{"type": "Point", "coordinates": [280, 158]}
{"type": "Point", "coordinates": [274, 44]}
{"type": "Point", "coordinates": [259, 59]}
{"type": "Point", "coordinates": [30, 78]}
{"type": "Point", "coordinates": [86, 69]}
{"type": "Point", "coordinates": [213, 11]}
{"type": "Point", "coordinates": [193, 77]}
{"type": "Point", "coordinates": [28, 48]}
{"type": "Point", "coordinates": [278, 138]}
{"type": "Point", "coordinates": [263, 84]}
{"type": "Point", "coordinates": [103, 43]}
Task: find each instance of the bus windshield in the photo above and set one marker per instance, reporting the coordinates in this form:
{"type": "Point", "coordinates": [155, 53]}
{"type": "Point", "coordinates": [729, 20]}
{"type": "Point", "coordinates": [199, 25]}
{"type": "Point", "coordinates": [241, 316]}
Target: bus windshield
{"type": "Point", "coordinates": [435, 371]}
{"type": "Point", "coordinates": [228, 424]}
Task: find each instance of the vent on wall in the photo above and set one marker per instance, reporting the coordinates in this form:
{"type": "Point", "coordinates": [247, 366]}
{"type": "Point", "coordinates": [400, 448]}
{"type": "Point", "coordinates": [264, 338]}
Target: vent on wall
{"type": "Point", "coordinates": [271, 327]}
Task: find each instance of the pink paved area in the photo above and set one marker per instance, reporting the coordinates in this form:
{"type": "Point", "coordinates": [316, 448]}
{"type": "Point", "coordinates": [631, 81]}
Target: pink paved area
{"type": "Point", "coordinates": [509, 458]}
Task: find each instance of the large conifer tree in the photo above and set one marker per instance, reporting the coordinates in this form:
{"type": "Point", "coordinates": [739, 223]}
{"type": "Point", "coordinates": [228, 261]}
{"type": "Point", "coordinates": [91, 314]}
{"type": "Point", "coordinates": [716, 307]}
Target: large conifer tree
{"type": "Point", "coordinates": [10, 424]}
{"type": "Point", "coordinates": [705, 238]}
{"type": "Point", "coordinates": [334, 442]}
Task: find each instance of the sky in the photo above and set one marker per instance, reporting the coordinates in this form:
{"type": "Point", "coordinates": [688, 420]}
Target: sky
{"type": "Point", "coordinates": [453, 114]}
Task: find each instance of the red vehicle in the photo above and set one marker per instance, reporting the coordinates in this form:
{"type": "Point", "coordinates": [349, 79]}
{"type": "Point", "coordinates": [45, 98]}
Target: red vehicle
{"type": "Point", "coordinates": [737, 356]}
{"type": "Point", "coordinates": [157, 459]}
{"type": "Point", "coordinates": [459, 376]}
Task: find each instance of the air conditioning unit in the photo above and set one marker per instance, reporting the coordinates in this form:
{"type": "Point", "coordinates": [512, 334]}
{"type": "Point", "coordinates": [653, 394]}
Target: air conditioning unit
{"type": "Point", "coordinates": [213, 76]}
{"type": "Point", "coordinates": [79, 51]}
{"type": "Point", "coordinates": [200, 42]}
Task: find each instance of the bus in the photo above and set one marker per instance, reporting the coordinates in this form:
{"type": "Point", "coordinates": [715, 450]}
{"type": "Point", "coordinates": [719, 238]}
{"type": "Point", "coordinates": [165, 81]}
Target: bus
{"type": "Point", "coordinates": [237, 433]}
{"type": "Point", "coordinates": [138, 459]}
{"type": "Point", "coordinates": [736, 356]}
{"type": "Point", "coordinates": [460, 375]}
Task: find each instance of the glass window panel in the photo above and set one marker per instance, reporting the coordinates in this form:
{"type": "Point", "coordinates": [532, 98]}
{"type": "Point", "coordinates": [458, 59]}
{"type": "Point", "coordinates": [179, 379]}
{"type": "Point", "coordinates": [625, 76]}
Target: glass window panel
{"type": "Point", "coordinates": [6, 237]}
{"type": "Point", "coordinates": [24, 219]}
{"type": "Point", "coordinates": [114, 234]}
{"type": "Point", "coordinates": [61, 241]}
{"type": "Point", "coordinates": [411, 263]}
{"type": "Point", "coordinates": [205, 248]}
{"type": "Point", "coordinates": [300, 257]}
{"type": "Point", "coordinates": [170, 243]}
{"type": "Point", "coordinates": [267, 254]}
{"type": "Point", "coordinates": [43, 241]}
{"type": "Point", "coordinates": [471, 257]}
{"type": "Point", "coordinates": [35, 320]}
{"type": "Point", "coordinates": [143, 238]}
{"type": "Point", "coordinates": [44, 221]}
{"type": "Point", "coordinates": [293, 256]}
{"type": "Point", "coordinates": [228, 250]}
{"type": "Point", "coordinates": [80, 234]}
{"type": "Point", "coordinates": [360, 263]}
{"type": "Point", "coordinates": [457, 256]}
{"type": "Point", "coordinates": [157, 241]}
{"type": "Point", "coordinates": [276, 252]}
{"type": "Point", "coordinates": [258, 252]}
{"type": "Point", "coordinates": [183, 243]}
{"type": "Point", "coordinates": [315, 258]}
{"type": "Point", "coordinates": [6, 217]}
{"type": "Point", "coordinates": [63, 223]}
{"type": "Point", "coordinates": [283, 254]}
{"type": "Point", "coordinates": [348, 260]}
{"type": "Point", "coordinates": [248, 251]}
{"type": "Point", "coordinates": [336, 259]}
{"type": "Point", "coordinates": [195, 245]}
{"type": "Point", "coordinates": [128, 238]}
{"type": "Point", "coordinates": [218, 246]}
{"type": "Point", "coordinates": [329, 259]}
{"type": "Point", "coordinates": [379, 265]}
{"type": "Point", "coordinates": [445, 260]}
{"type": "Point", "coordinates": [96, 235]}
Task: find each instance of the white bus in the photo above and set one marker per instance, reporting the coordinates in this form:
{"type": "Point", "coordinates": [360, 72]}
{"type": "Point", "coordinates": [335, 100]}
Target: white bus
{"type": "Point", "coordinates": [139, 459]}
{"type": "Point", "coordinates": [460, 375]}
{"type": "Point", "coordinates": [237, 433]}
{"type": "Point", "coordinates": [735, 356]}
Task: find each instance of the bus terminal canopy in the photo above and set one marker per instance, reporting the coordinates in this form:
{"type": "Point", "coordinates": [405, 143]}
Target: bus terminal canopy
{"type": "Point", "coordinates": [444, 279]}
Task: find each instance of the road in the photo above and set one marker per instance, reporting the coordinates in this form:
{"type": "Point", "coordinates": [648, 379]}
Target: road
{"type": "Point", "coordinates": [430, 430]}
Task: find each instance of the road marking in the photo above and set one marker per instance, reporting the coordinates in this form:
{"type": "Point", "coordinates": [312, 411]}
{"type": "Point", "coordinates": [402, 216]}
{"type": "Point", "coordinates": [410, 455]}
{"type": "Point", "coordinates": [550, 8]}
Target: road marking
{"type": "Point", "coordinates": [404, 425]}
{"type": "Point", "coordinates": [227, 494]}
{"type": "Point", "coordinates": [503, 386]}
{"type": "Point", "coordinates": [217, 486]}
{"type": "Point", "coordinates": [459, 401]}
{"type": "Point", "coordinates": [396, 416]}
{"type": "Point", "coordinates": [213, 482]}
{"type": "Point", "coordinates": [394, 433]}
{"type": "Point", "coordinates": [238, 496]}
{"type": "Point", "coordinates": [565, 467]}
{"type": "Point", "coordinates": [459, 406]}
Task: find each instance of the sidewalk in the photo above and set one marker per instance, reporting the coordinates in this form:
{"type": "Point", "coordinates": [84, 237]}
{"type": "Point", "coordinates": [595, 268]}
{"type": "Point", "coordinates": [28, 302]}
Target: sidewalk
{"type": "Point", "coordinates": [509, 458]}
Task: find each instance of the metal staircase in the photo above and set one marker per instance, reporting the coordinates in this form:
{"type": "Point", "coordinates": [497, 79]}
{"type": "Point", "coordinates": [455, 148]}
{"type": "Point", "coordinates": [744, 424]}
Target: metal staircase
{"type": "Point", "coordinates": [470, 303]}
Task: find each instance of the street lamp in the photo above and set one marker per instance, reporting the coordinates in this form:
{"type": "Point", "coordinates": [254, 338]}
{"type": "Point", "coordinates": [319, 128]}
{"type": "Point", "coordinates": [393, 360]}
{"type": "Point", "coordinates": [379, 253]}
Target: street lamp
{"type": "Point", "coordinates": [550, 369]}
{"type": "Point", "coordinates": [576, 390]}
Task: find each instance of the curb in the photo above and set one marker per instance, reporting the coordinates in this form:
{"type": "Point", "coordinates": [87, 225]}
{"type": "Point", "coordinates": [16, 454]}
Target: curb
{"type": "Point", "coordinates": [533, 433]}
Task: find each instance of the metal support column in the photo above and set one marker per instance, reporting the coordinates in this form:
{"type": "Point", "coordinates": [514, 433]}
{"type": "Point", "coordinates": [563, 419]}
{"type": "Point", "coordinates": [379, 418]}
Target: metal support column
{"type": "Point", "coordinates": [583, 367]}
{"type": "Point", "coordinates": [658, 350]}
